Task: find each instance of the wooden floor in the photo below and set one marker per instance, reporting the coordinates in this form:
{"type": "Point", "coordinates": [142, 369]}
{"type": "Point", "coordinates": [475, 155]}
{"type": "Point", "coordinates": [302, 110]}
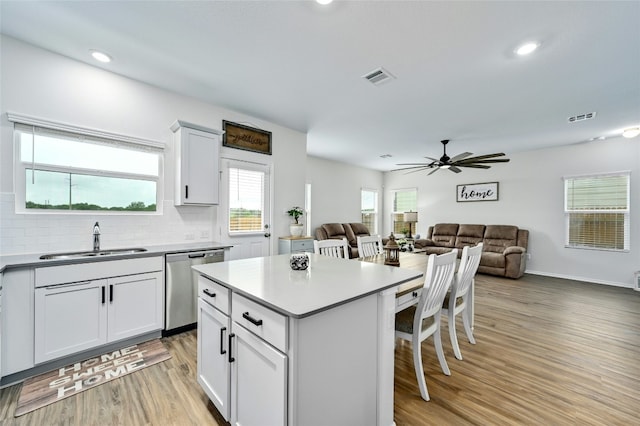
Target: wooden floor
{"type": "Point", "coordinates": [548, 352]}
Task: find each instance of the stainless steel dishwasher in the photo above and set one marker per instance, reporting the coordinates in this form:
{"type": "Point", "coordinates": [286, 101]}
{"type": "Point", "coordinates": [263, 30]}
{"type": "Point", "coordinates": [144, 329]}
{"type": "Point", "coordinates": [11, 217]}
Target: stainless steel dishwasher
{"type": "Point", "coordinates": [181, 283]}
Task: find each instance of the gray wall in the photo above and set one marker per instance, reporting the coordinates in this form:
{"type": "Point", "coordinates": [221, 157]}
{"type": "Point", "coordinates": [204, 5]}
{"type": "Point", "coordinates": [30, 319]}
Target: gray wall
{"type": "Point", "coordinates": [531, 195]}
{"type": "Point", "coordinates": [39, 83]}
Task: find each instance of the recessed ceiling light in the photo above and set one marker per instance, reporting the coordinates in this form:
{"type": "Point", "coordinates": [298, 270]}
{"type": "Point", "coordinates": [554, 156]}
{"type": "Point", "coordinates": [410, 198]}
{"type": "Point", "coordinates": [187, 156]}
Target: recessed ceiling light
{"type": "Point", "coordinates": [527, 48]}
{"type": "Point", "coordinates": [100, 56]}
{"type": "Point", "coordinates": [631, 132]}
{"type": "Point", "coordinates": [323, 2]}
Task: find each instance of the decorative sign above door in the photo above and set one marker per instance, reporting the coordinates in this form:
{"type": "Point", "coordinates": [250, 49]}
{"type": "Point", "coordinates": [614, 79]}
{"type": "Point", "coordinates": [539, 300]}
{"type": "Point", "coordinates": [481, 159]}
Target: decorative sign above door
{"type": "Point", "coordinates": [487, 191]}
{"type": "Point", "coordinates": [244, 137]}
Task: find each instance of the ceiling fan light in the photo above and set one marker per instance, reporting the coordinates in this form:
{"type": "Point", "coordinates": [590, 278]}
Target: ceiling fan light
{"type": "Point", "coordinates": [631, 132]}
{"type": "Point", "coordinates": [445, 166]}
{"type": "Point", "coordinates": [323, 2]}
{"type": "Point", "coordinates": [527, 48]}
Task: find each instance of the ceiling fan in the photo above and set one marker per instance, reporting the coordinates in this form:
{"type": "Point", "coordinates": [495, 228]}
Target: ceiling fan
{"type": "Point", "coordinates": [454, 164]}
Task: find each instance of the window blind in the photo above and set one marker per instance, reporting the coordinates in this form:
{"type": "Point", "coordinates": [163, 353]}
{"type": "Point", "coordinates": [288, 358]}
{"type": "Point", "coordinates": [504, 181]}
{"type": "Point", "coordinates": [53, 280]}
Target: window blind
{"type": "Point", "coordinates": [246, 198]}
{"type": "Point", "coordinates": [597, 211]}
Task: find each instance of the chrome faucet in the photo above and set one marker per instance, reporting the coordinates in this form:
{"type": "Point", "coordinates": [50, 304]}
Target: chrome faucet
{"type": "Point", "coordinates": [96, 237]}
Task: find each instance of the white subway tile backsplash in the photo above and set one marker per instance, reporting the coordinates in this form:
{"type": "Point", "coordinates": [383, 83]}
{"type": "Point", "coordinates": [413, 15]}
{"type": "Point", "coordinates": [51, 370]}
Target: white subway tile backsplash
{"type": "Point", "coordinates": [40, 233]}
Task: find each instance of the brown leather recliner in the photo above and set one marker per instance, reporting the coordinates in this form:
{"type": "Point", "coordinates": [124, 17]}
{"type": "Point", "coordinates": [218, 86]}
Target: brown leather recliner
{"type": "Point", "coordinates": [337, 231]}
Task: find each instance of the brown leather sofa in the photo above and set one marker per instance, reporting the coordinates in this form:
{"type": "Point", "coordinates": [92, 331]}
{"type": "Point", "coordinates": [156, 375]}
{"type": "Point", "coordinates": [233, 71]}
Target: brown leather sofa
{"type": "Point", "coordinates": [504, 246]}
{"type": "Point", "coordinates": [338, 231]}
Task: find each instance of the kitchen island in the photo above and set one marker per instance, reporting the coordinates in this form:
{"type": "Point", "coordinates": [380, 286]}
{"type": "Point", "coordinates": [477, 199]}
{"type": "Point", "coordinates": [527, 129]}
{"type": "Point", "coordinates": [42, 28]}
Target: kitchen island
{"type": "Point", "coordinates": [314, 347]}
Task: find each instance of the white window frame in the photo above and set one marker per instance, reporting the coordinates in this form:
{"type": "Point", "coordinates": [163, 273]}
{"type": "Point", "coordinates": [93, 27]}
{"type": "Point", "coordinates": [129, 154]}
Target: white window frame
{"type": "Point", "coordinates": [394, 192]}
{"type": "Point", "coordinates": [626, 212]}
{"type": "Point", "coordinates": [376, 209]}
{"type": "Point", "coordinates": [107, 138]}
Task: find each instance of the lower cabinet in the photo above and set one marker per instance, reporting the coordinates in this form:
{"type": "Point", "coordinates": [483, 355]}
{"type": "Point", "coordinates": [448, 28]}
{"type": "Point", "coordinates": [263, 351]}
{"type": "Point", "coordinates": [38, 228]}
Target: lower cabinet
{"type": "Point", "coordinates": [244, 376]}
{"type": "Point", "coordinates": [258, 380]}
{"type": "Point", "coordinates": [70, 318]}
{"type": "Point", "coordinates": [213, 364]}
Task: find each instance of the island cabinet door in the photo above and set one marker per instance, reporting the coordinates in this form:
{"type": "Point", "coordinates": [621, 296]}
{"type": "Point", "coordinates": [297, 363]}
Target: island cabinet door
{"type": "Point", "coordinates": [214, 372]}
{"type": "Point", "coordinates": [258, 381]}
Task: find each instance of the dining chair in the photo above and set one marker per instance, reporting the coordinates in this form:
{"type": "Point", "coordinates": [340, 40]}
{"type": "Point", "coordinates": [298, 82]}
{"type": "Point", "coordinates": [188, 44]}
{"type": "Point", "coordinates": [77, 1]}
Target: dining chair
{"type": "Point", "coordinates": [418, 322]}
{"type": "Point", "coordinates": [369, 245]}
{"type": "Point", "coordinates": [333, 248]}
{"type": "Point", "coordinates": [460, 299]}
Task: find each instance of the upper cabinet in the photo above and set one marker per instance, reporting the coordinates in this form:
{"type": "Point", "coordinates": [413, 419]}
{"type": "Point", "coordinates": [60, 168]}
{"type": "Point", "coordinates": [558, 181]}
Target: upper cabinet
{"type": "Point", "coordinates": [197, 151]}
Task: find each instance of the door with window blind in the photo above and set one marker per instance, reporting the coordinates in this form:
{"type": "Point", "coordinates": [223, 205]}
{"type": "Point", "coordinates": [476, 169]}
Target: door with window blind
{"type": "Point", "coordinates": [245, 214]}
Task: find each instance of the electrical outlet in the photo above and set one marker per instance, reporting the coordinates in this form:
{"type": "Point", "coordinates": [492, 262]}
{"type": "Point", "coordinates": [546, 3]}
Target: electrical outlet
{"type": "Point", "coordinates": [528, 256]}
{"type": "Point", "coordinates": [190, 237]}
{"type": "Point", "coordinates": [204, 234]}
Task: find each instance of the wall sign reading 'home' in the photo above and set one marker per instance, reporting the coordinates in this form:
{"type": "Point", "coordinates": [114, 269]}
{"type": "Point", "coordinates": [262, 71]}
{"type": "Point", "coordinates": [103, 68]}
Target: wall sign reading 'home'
{"type": "Point", "coordinates": [487, 191]}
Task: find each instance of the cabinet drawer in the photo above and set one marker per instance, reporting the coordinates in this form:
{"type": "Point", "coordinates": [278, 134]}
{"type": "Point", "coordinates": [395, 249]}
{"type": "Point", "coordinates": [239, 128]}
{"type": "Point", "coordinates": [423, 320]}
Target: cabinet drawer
{"type": "Point", "coordinates": [260, 320]}
{"type": "Point", "coordinates": [302, 245]}
{"type": "Point", "coordinates": [214, 294]}
{"type": "Point", "coordinates": [408, 299]}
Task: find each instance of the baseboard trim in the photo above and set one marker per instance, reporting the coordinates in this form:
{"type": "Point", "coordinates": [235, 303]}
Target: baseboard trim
{"type": "Point", "coordinates": [577, 278]}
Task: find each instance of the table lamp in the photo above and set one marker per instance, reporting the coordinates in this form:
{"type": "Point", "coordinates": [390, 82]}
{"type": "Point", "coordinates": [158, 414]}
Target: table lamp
{"type": "Point", "coordinates": [410, 218]}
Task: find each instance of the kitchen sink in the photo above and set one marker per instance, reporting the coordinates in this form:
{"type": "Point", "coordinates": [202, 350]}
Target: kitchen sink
{"type": "Point", "coordinates": [92, 253]}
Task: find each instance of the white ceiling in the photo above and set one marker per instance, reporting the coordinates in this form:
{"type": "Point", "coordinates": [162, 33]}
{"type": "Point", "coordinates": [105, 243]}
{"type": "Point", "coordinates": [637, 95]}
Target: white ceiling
{"type": "Point", "coordinates": [300, 65]}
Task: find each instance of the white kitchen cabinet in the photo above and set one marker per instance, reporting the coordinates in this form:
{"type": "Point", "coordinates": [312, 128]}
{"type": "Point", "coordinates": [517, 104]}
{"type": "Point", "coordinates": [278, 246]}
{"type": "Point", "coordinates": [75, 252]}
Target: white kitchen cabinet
{"type": "Point", "coordinates": [136, 305]}
{"type": "Point", "coordinates": [83, 306]}
{"type": "Point", "coordinates": [244, 376]}
{"type": "Point", "coordinates": [258, 380]}
{"type": "Point", "coordinates": [197, 151]}
{"type": "Point", "coordinates": [71, 318]}
{"type": "Point", "coordinates": [213, 375]}
{"type": "Point", "coordinates": [17, 321]}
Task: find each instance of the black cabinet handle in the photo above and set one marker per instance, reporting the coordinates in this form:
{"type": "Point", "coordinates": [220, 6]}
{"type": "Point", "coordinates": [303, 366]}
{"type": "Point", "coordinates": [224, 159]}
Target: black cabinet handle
{"type": "Point", "coordinates": [231, 336]}
{"type": "Point", "coordinates": [208, 292]}
{"type": "Point", "coordinates": [251, 319]}
{"type": "Point", "coordinates": [222, 330]}
{"type": "Point", "coordinates": [103, 295]}
{"type": "Point", "coordinates": [111, 293]}
{"type": "Point", "coordinates": [186, 191]}
{"type": "Point", "coordinates": [415, 294]}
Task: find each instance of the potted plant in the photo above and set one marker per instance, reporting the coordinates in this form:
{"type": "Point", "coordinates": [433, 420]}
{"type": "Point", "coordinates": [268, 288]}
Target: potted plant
{"type": "Point", "coordinates": [295, 228]}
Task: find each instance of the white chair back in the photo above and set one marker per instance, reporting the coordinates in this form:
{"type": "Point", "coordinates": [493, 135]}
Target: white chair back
{"type": "Point", "coordinates": [409, 322]}
{"type": "Point", "coordinates": [333, 248]}
{"type": "Point", "coordinates": [369, 245]}
{"type": "Point", "coordinates": [437, 281]}
{"type": "Point", "coordinates": [461, 296]}
{"type": "Point", "coordinates": [469, 263]}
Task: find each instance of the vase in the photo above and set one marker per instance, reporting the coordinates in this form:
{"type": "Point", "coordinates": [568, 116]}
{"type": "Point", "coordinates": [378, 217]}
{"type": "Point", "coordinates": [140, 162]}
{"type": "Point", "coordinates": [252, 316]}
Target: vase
{"type": "Point", "coordinates": [295, 229]}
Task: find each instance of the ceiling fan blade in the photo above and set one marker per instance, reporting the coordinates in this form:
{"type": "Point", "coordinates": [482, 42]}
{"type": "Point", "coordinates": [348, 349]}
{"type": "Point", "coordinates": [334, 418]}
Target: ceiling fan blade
{"type": "Point", "coordinates": [460, 156]}
{"type": "Point", "coordinates": [483, 157]}
{"type": "Point", "coordinates": [454, 169]}
{"type": "Point", "coordinates": [414, 164]}
{"type": "Point", "coordinates": [433, 171]}
{"type": "Point", "coordinates": [488, 161]}
{"type": "Point", "coordinates": [475, 166]}
{"type": "Point", "coordinates": [432, 159]}
{"type": "Point", "coordinates": [417, 170]}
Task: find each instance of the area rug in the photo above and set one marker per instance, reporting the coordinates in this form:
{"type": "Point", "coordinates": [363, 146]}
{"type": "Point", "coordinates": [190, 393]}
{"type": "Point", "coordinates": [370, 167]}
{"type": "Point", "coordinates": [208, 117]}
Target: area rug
{"type": "Point", "coordinates": [64, 382]}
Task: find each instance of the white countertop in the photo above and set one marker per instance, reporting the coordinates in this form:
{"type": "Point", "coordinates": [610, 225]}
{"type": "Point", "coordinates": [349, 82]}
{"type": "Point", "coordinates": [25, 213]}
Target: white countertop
{"type": "Point", "coordinates": [33, 259]}
{"type": "Point", "coordinates": [328, 281]}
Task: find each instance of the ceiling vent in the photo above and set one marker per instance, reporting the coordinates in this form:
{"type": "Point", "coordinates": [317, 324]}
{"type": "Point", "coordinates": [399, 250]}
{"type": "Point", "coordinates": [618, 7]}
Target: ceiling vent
{"type": "Point", "coordinates": [581, 117]}
{"type": "Point", "coordinates": [378, 76]}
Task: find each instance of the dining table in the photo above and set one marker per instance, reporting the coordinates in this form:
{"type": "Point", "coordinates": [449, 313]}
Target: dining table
{"type": "Point", "coordinates": [408, 294]}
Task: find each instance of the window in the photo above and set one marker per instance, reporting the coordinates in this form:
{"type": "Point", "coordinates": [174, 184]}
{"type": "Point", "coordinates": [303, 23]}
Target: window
{"type": "Point", "coordinates": [597, 211]}
{"type": "Point", "coordinates": [63, 171]}
{"type": "Point", "coordinates": [369, 207]}
{"type": "Point", "coordinates": [404, 200]}
{"type": "Point", "coordinates": [307, 208]}
{"type": "Point", "coordinates": [246, 200]}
